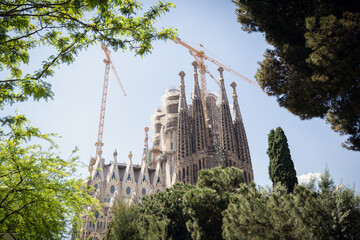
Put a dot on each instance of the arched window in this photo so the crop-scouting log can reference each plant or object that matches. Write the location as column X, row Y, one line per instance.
column 199, row 164
column 179, row 175
column 245, row 176
column 112, row 189
column 183, row 173
column 113, row 176
column 187, row 171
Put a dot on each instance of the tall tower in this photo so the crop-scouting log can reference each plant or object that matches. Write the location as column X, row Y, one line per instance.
column 184, row 163
column 199, row 134
column 227, row 137
column 241, row 140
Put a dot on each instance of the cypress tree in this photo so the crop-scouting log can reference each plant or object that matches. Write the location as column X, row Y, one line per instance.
column 281, row 168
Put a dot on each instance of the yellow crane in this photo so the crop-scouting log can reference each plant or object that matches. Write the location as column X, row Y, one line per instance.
column 108, row 64
column 200, row 56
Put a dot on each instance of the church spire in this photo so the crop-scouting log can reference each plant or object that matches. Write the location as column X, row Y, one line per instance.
column 199, row 129
column 223, row 97
column 227, row 138
column 196, row 88
column 182, row 100
column 145, row 155
column 241, row 140
column 183, row 135
column 236, row 110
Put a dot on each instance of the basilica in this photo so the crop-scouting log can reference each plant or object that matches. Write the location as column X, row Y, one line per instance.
column 187, row 138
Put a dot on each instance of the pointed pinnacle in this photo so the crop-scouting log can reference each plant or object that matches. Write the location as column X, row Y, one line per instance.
column 233, row 85
column 221, row 70
column 182, row 74
column 195, row 64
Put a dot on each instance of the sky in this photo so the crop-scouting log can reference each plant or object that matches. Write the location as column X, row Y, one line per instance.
column 74, row 112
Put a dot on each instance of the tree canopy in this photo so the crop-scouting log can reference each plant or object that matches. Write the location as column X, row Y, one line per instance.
column 66, row 27
column 281, row 167
column 39, row 196
column 314, row 68
column 327, row 213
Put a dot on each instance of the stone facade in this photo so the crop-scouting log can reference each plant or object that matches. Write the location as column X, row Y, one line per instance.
column 186, row 140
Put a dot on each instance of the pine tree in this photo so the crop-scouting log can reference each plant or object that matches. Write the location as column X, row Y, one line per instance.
column 281, row 168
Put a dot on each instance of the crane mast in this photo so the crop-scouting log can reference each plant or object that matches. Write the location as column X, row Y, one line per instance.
column 108, row 63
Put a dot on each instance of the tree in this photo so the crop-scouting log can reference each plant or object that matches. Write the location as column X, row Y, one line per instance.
column 158, row 216
column 123, row 224
column 66, row 27
column 328, row 213
column 281, row 167
column 39, row 196
column 167, row 207
column 205, row 204
column 313, row 69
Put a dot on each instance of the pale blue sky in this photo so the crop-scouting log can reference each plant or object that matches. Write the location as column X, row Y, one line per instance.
column 74, row 112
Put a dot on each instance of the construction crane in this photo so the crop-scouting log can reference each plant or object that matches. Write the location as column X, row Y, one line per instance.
column 200, row 56
column 108, row 64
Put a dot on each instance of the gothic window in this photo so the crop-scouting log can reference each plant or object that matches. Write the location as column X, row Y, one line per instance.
column 171, row 134
column 129, row 177
column 113, row 176
column 100, row 224
column 179, row 175
column 144, row 179
column 245, row 176
column 249, row 177
column 158, row 181
column 184, row 173
column 199, row 164
column 172, row 146
column 97, row 174
column 128, row 190
column 143, row 191
column 95, row 186
column 90, row 224
column 187, row 171
column 112, row 189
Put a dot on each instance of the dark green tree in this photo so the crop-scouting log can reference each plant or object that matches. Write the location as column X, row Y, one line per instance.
column 205, row 203
column 124, row 222
column 313, row 68
column 281, row 167
column 328, row 213
column 168, row 207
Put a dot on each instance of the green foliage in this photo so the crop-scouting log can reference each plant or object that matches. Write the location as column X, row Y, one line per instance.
column 168, row 207
column 329, row 213
column 66, row 28
column 313, row 69
column 281, row 167
column 39, row 196
column 124, row 223
column 158, row 216
column 205, row 203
